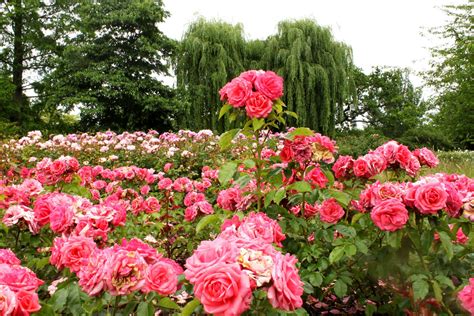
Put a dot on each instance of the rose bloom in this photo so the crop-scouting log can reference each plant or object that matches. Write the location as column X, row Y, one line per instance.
column 343, row 166
column 258, row 105
column 426, row 157
column 27, row 302
column 388, row 151
column 61, row 218
column 58, row 167
column 92, row 275
column 7, row 256
column 19, row 278
column 361, row 168
column 125, row 272
column 8, row 300
column 260, row 226
column 237, row 92
column 287, row 288
column 228, row 199
column 316, row 178
column 403, row 155
column 330, row 211
column 389, row 215
column 286, row 154
column 310, row 210
column 430, row 198
column 224, row 289
column 146, row 251
column 466, row 296
column 160, row 277
column 72, row 252
column 270, row 84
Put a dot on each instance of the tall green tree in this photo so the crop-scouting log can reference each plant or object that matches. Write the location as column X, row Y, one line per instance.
column 110, row 68
column 386, row 101
column 30, row 34
column 316, row 69
column 210, row 54
column 451, row 75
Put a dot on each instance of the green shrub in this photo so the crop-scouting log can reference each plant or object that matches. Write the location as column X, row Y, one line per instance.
column 359, row 142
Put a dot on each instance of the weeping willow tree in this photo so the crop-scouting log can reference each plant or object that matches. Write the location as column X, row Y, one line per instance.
column 316, row 70
column 210, row 54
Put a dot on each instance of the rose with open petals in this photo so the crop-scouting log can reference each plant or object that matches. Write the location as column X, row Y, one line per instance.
column 72, row 252
column 270, row 84
column 224, row 289
column 7, row 256
column 466, row 296
column 287, row 288
column 92, row 275
column 8, row 300
column 361, row 168
column 259, row 225
column 19, row 278
column 389, row 215
column 426, row 157
column 430, row 198
column 160, row 277
column 258, row 105
column 316, row 178
column 237, row 92
column 27, row 302
column 343, row 166
column 125, row 272
column 330, row 211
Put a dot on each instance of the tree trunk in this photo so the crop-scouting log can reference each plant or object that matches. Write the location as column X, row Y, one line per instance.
column 18, row 56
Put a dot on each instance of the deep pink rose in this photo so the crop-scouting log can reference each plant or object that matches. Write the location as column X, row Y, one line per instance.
column 287, row 288
column 403, row 155
column 7, row 256
column 454, row 200
column 92, row 275
column 193, row 197
column 330, row 211
column 61, row 218
column 19, row 278
column 361, row 168
column 389, row 215
column 42, row 209
column 316, row 178
column 146, row 251
column 311, row 210
column 258, row 105
column 27, row 302
column 430, row 198
column 286, row 153
column 466, row 296
column 238, row 91
column 125, row 272
column 343, row 166
column 160, row 277
column 389, row 151
column 426, row 157
column 270, row 84
column 251, row 75
column 58, row 167
column 224, row 289
column 72, row 252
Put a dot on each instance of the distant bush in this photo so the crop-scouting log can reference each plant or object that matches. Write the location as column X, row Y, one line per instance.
column 430, row 137
column 359, row 142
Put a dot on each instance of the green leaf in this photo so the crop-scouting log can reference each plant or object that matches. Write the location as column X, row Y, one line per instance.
column 257, row 123
column 447, row 244
column 346, row 230
column 300, row 186
column 350, row 250
column 292, row 114
column 206, row 220
column 420, row 289
column 342, row 197
column 300, row 131
column 243, row 181
column 269, row 198
column 166, row 302
column 224, row 109
column 249, row 163
column 445, row 280
column 340, row 288
column 336, row 254
column 278, row 106
column 226, row 172
column 361, row 246
column 370, row 309
column 46, row 310
column 226, row 138
column 145, row 309
column 356, row 218
column 60, row 299
column 437, row 290
column 279, row 195
column 189, row 308
column 316, row 279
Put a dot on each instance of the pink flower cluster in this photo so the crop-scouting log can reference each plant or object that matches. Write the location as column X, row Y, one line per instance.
column 50, row 172
column 303, row 149
column 18, row 286
column 254, row 90
column 466, row 296
column 329, row 211
column 389, row 202
column 390, row 154
column 119, row 270
column 225, row 271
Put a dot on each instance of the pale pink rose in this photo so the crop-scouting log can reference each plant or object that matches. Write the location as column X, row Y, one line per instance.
column 270, row 84
column 386, row 191
column 260, row 226
column 92, row 275
column 466, row 296
column 224, row 289
column 389, row 215
column 316, row 178
column 258, row 105
column 32, row 187
column 287, row 288
column 19, row 278
column 330, row 211
column 72, row 252
column 7, row 256
column 125, row 272
column 160, row 277
column 426, row 157
column 343, row 167
column 27, row 302
column 8, row 301
column 430, row 198
column 208, row 254
column 16, row 213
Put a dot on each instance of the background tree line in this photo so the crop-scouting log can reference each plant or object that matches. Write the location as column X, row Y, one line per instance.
column 92, row 65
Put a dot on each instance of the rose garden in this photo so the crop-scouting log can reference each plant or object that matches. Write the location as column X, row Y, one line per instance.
column 260, row 220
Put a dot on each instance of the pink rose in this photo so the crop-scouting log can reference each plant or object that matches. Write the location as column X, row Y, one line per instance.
column 125, row 272
column 260, row 226
column 361, row 168
column 258, row 105
column 286, row 153
column 316, row 178
column 224, row 289
column 58, row 167
column 8, row 301
column 269, row 84
column 238, row 91
column 251, row 75
column 389, row 215
column 152, row 205
column 301, row 148
column 376, row 164
column 72, row 252
column 343, row 166
column 466, row 296
column 61, row 218
column 403, row 155
column 7, row 256
column 160, row 277
column 146, row 251
column 310, row 210
column 330, row 211
column 92, row 275
column 193, row 197
column 426, row 157
column 27, row 302
column 287, row 288
column 19, row 278
column 430, row 198
column 229, row 199
column 389, row 151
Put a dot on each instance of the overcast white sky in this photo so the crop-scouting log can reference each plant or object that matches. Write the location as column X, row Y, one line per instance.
column 381, row 32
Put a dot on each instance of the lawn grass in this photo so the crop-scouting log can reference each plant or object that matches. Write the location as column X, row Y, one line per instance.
column 461, row 162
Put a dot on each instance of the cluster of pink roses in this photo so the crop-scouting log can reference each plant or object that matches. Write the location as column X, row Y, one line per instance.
column 50, row 172
column 466, row 296
column 329, row 211
column 304, row 149
column 119, row 270
column 18, row 286
column 225, row 271
column 254, row 90
column 390, row 154
column 388, row 202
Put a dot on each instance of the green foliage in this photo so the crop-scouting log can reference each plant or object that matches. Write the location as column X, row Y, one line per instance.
column 109, row 69
column 451, row 75
column 358, row 142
